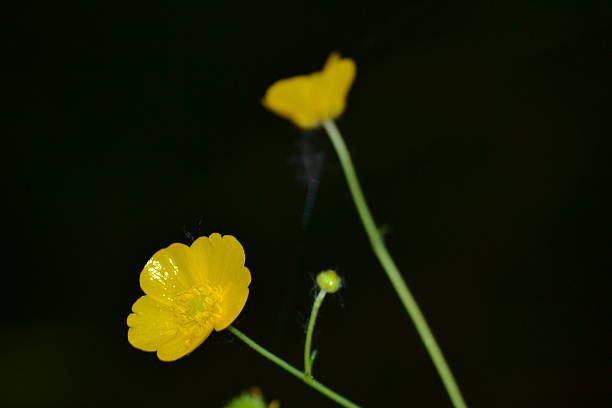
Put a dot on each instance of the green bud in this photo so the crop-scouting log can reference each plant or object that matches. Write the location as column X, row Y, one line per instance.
column 251, row 399
column 329, row 281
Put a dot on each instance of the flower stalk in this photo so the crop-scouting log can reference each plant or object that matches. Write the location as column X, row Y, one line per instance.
column 308, row 356
column 391, row 269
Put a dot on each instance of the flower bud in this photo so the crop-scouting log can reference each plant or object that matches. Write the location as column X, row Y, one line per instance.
column 329, row 281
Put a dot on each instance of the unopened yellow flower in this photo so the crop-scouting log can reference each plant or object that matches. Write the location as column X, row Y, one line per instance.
column 307, row 100
column 190, row 290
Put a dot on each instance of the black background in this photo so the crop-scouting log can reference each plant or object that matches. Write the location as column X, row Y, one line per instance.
column 474, row 130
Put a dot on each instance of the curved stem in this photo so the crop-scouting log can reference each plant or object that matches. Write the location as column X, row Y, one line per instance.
column 311, row 324
column 288, row 367
column 391, row 269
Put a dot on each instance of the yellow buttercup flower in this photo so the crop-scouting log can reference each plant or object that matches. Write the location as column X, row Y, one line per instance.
column 307, row 100
column 190, row 290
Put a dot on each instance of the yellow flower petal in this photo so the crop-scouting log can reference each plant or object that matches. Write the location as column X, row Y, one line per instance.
column 151, row 325
column 168, row 273
column 335, row 82
column 293, row 99
column 182, row 344
column 234, row 300
column 307, row 100
column 221, row 259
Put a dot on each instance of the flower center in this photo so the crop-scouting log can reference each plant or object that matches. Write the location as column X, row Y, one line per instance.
column 197, row 307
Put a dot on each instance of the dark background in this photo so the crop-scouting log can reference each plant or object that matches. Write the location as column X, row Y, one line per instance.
column 474, row 129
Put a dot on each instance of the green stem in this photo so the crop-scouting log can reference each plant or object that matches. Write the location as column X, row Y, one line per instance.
column 391, row 269
column 311, row 324
column 283, row 364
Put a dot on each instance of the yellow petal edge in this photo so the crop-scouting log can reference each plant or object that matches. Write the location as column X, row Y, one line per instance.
column 190, row 290
column 307, row 100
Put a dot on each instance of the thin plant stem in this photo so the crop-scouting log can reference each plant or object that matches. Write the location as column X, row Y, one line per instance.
column 291, row 369
column 391, row 269
column 311, row 324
